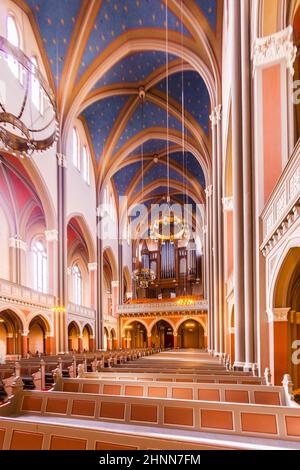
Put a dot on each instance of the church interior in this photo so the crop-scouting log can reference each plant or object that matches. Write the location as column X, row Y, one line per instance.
column 149, row 225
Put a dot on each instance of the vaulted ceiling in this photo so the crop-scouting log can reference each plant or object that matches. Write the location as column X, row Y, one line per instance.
column 101, row 53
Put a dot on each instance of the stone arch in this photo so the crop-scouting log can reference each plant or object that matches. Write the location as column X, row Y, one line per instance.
column 107, row 251
column 74, row 334
column 11, row 329
column 86, row 234
column 129, row 322
column 87, row 337
column 284, row 314
column 160, row 337
column 191, row 334
column 193, row 318
column 135, row 334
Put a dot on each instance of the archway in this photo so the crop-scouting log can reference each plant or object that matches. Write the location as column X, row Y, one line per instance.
column 162, row 335
column 37, row 336
column 284, row 329
column 113, row 339
column 87, row 340
column 105, row 339
column 135, row 335
column 191, row 335
column 73, row 335
column 10, row 334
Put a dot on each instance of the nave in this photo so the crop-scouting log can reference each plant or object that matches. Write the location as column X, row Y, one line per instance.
column 143, row 403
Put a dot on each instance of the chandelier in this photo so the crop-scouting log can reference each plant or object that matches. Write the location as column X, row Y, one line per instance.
column 143, row 277
column 169, row 228
column 24, row 128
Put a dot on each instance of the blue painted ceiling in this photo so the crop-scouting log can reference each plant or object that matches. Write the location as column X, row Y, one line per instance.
column 135, row 67
column 195, row 95
column 57, row 19
column 191, row 164
column 209, row 8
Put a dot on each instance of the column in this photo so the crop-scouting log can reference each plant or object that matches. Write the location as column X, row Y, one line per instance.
column 237, row 183
column 50, row 345
column 279, row 343
column 10, row 343
column 18, row 249
column 247, row 183
column 114, row 295
column 92, row 268
column 218, row 113
column 175, row 340
column 80, row 344
column 24, row 335
column 149, row 341
column 209, row 268
column 52, row 245
column 62, row 328
column 215, row 230
column 91, row 344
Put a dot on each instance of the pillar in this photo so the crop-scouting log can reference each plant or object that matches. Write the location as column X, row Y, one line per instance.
column 91, row 344
column 50, row 345
column 18, row 250
column 52, row 245
column 247, row 184
column 92, row 268
column 24, row 335
column 124, row 345
column 80, row 344
column 215, row 221
column 114, row 296
column 279, row 343
column 62, row 328
column 149, row 341
column 209, row 267
column 218, row 113
column 10, row 343
column 175, row 340
column 237, row 183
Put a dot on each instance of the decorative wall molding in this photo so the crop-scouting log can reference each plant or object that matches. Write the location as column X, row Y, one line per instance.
column 278, row 314
column 24, row 296
column 216, row 115
column 162, row 309
column 283, row 207
column 51, row 235
column 61, row 160
column 81, row 311
column 208, row 191
column 92, row 266
column 274, row 48
column 227, row 204
column 18, row 243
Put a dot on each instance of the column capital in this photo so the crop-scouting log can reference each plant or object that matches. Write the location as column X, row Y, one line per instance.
column 204, row 228
column 273, row 48
column 278, row 314
column 227, row 204
column 114, row 283
column 18, row 243
column 61, row 160
column 92, row 266
column 208, row 191
column 51, row 235
column 216, row 115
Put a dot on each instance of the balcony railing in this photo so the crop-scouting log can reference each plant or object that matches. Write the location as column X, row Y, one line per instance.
column 164, row 305
column 25, row 296
column 81, row 310
column 284, row 199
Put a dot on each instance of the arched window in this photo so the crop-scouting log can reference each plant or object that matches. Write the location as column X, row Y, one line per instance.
column 75, row 150
column 77, row 284
column 14, row 38
column 36, row 91
column 85, row 165
column 39, row 266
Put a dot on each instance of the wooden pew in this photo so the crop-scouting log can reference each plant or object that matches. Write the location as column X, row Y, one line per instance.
column 255, row 394
column 244, row 420
column 162, row 376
